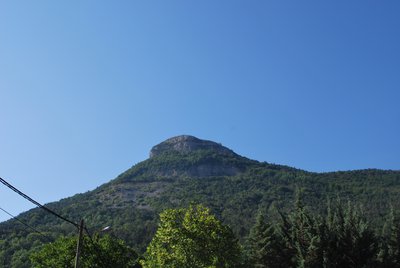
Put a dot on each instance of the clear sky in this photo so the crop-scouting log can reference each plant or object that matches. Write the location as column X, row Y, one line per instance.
column 88, row 87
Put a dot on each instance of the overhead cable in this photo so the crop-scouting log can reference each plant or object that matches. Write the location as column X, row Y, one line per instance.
column 27, row 225
column 37, row 203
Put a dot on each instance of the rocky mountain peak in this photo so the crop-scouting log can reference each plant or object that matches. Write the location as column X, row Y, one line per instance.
column 187, row 144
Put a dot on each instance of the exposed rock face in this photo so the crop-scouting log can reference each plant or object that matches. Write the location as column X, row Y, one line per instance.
column 213, row 170
column 187, row 144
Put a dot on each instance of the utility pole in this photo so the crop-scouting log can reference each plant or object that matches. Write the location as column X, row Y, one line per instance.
column 79, row 246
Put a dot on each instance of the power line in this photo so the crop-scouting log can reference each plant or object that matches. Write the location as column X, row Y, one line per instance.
column 51, row 212
column 27, row 225
column 37, row 203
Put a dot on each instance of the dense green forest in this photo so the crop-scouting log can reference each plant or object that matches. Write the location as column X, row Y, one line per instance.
column 234, row 188
column 194, row 237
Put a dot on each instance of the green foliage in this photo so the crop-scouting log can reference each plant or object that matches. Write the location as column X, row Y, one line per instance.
column 350, row 240
column 265, row 248
column 102, row 252
column 301, row 233
column 389, row 254
column 192, row 237
column 233, row 187
column 302, row 239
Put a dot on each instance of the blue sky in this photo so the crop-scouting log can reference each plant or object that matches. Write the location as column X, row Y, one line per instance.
column 88, row 87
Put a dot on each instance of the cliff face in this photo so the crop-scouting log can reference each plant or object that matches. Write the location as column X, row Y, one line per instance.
column 187, row 144
column 209, row 164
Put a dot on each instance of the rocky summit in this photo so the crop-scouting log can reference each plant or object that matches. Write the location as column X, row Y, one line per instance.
column 187, row 144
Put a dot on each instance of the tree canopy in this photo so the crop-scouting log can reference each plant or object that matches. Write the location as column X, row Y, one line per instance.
column 100, row 252
column 192, row 237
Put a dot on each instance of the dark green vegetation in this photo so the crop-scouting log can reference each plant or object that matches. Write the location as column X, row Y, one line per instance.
column 342, row 238
column 184, row 170
column 193, row 237
column 97, row 252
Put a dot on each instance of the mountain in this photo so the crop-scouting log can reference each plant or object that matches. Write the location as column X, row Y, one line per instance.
column 185, row 169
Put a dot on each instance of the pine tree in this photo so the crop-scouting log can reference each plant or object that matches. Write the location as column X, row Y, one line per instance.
column 265, row 246
column 349, row 240
column 302, row 234
column 389, row 254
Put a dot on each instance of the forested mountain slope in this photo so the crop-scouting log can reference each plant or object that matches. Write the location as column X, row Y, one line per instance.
column 182, row 170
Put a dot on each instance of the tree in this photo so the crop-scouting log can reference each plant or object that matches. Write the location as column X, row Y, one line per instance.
column 101, row 252
column 265, row 246
column 350, row 242
column 341, row 239
column 301, row 233
column 389, row 254
column 192, row 237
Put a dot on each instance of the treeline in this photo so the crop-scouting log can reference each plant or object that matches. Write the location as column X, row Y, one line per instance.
column 194, row 237
column 343, row 238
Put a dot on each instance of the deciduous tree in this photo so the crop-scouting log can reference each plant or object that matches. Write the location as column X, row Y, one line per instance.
column 101, row 252
column 192, row 237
